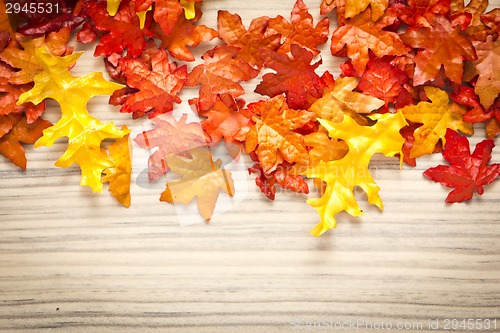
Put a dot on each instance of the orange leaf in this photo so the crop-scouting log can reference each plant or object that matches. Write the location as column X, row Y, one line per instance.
column 360, row 34
column 251, row 41
column 184, row 34
column 10, row 143
column 220, row 74
column 273, row 137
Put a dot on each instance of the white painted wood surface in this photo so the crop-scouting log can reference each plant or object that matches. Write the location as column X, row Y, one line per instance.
column 74, row 261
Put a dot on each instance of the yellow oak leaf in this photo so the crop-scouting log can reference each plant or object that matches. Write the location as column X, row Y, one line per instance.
column 435, row 116
column 273, row 137
column 201, row 178
column 341, row 176
column 354, row 7
column 85, row 133
column 119, row 174
column 343, row 100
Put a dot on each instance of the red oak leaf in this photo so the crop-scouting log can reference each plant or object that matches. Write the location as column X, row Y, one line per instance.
column 466, row 173
column 382, row 80
column 294, row 76
column 300, row 30
column 172, row 137
column 220, row 74
column 440, row 45
column 10, row 143
column 360, row 34
column 123, row 31
column 251, row 41
column 157, row 85
column 184, row 34
column 281, row 176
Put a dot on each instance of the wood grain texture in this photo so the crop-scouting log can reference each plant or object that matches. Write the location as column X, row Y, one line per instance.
column 74, row 261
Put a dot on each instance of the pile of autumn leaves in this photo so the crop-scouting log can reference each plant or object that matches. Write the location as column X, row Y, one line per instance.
column 416, row 73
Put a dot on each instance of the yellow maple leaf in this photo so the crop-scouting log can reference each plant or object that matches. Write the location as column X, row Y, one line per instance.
column 435, row 116
column 119, row 174
column 343, row 100
column 202, row 178
column 341, row 176
column 85, row 133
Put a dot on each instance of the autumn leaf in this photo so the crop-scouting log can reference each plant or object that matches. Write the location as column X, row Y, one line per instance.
column 440, row 45
column 476, row 112
column 343, row 175
column 184, row 34
column 383, row 80
column 342, row 100
column 250, row 42
column 300, row 30
column 172, row 137
column 5, row 25
column 201, row 178
column 119, row 175
column 166, row 12
column 436, row 116
column 84, row 132
column 475, row 8
column 466, row 173
column 360, row 34
column 10, row 142
column 327, row 6
column 487, row 66
column 416, row 13
column 47, row 16
column 112, row 7
column 9, row 95
column 226, row 120
column 354, row 7
column 122, row 30
column 282, row 176
column 273, row 138
column 157, row 85
column 220, row 74
column 294, row 76
column 20, row 54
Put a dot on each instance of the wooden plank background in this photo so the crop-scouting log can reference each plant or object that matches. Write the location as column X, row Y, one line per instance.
column 74, row 261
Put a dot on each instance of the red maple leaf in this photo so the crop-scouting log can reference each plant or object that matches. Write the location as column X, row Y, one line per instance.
column 417, row 12
column 226, row 120
column 165, row 12
column 294, row 76
column 251, row 41
column 281, row 176
column 122, row 30
column 185, row 33
column 438, row 46
column 360, row 35
column 300, row 30
column 466, row 173
column 220, row 74
column 476, row 113
column 382, row 80
column 157, row 85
